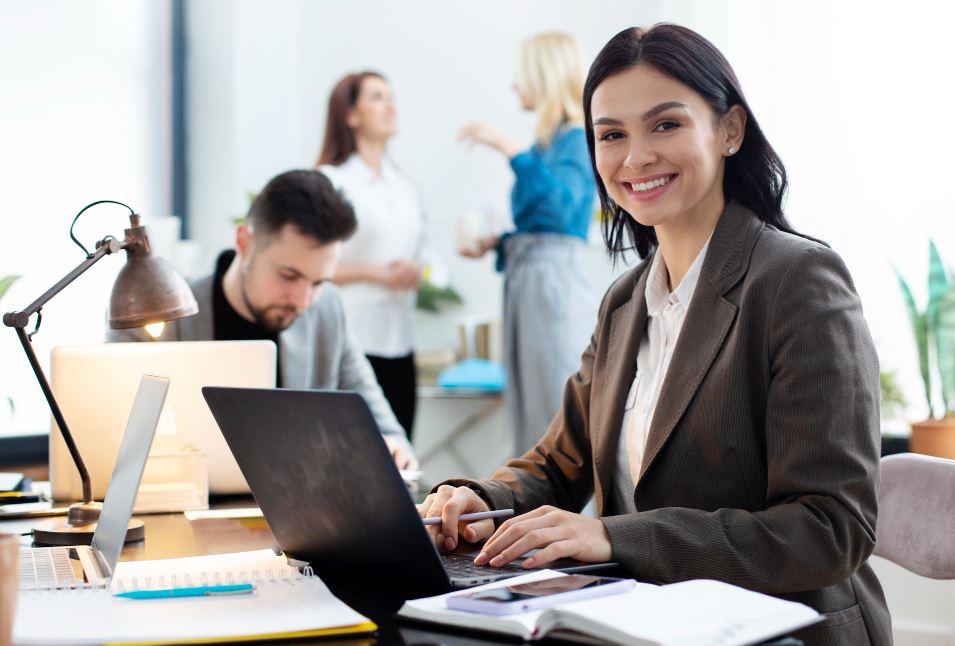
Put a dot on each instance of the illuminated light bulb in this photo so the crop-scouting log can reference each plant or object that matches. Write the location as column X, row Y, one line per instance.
column 155, row 329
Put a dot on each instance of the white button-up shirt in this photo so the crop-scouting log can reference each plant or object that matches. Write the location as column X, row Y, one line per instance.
column 665, row 313
column 390, row 227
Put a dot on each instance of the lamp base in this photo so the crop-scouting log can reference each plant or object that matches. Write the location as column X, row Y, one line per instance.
column 79, row 527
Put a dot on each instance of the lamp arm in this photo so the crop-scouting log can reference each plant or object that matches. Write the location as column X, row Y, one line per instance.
column 20, row 320
column 57, row 415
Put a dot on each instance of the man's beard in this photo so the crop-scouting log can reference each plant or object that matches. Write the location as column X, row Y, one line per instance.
column 260, row 314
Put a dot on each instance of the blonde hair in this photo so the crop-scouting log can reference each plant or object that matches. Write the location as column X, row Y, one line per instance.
column 550, row 73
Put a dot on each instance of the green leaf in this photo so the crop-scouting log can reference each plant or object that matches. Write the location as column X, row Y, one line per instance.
column 431, row 296
column 920, row 329
column 945, row 347
column 937, row 284
column 5, row 283
column 891, row 398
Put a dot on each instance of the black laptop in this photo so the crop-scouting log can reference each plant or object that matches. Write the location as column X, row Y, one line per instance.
column 329, row 489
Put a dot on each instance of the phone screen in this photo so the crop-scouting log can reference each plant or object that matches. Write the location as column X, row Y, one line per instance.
column 556, row 585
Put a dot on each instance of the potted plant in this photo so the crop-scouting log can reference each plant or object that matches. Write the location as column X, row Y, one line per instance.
column 934, row 331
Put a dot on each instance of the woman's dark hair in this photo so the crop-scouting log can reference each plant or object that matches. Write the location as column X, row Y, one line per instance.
column 754, row 176
column 339, row 141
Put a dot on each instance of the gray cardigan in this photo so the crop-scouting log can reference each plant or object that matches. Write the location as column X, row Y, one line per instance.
column 315, row 352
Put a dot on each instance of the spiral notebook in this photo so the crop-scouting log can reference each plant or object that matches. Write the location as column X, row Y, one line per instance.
column 284, row 604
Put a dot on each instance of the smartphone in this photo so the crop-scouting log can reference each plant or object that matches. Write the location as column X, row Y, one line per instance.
column 536, row 595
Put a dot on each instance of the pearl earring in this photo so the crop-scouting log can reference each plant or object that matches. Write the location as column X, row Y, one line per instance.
column 731, row 151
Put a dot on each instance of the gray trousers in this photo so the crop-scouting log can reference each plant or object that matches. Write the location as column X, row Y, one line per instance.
column 549, row 314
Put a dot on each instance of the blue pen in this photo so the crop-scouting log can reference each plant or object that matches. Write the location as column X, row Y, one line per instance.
column 197, row 591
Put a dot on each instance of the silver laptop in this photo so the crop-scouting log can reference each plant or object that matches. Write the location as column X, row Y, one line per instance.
column 84, row 378
column 82, row 566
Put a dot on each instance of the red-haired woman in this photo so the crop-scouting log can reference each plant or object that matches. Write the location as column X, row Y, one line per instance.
column 380, row 268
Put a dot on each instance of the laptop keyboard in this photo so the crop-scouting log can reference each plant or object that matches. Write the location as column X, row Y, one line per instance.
column 459, row 565
column 47, row 568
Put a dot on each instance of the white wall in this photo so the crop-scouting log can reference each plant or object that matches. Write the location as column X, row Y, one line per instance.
column 82, row 118
column 923, row 610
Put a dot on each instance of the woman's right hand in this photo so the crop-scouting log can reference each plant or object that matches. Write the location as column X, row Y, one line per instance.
column 478, row 132
column 449, row 503
column 479, row 247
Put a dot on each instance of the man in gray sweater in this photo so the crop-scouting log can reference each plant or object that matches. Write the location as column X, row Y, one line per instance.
column 276, row 285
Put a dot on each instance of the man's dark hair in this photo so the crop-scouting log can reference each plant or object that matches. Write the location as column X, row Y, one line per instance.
column 307, row 200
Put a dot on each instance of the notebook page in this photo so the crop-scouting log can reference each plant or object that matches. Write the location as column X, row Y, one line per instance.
column 96, row 616
column 696, row 613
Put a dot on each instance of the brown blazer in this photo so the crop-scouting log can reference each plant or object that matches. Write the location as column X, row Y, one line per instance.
column 763, row 454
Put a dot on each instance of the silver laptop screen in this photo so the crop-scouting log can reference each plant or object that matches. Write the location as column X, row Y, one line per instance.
column 130, row 462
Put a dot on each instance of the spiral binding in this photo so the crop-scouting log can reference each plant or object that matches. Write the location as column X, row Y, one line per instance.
column 255, row 577
column 288, row 574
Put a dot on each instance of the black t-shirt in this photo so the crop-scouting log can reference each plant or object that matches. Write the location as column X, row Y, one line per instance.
column 227, row 324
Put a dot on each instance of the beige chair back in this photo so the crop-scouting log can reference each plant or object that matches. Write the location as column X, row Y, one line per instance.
column 916, row 525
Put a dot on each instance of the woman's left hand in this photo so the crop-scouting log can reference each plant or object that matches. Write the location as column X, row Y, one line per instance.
column 479, row 247
column 484, row 133
column 559, row 534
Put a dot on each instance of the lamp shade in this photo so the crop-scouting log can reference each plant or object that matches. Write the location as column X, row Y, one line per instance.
column 147, row 289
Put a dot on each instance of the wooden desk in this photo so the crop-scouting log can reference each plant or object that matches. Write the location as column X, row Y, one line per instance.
column 172, row 536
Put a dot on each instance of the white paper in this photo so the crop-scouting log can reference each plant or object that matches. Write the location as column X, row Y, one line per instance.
column 239, row 512
column 79, row 617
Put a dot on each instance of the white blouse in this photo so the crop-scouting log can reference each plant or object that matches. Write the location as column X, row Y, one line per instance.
column 390, row 227
column 665, row 314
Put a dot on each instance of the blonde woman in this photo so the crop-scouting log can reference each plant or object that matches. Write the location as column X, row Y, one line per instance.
column 549, row 309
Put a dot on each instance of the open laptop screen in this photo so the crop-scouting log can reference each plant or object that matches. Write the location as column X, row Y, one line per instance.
column 128, row 471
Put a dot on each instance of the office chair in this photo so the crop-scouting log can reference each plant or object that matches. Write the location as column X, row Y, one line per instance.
column 917, row 514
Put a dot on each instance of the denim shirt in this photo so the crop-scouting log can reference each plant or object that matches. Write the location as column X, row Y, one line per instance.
column 554, row 188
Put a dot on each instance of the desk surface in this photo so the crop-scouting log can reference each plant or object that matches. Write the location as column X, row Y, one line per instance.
column 172, row 536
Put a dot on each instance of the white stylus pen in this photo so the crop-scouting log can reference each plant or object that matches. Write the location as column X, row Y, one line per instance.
column 481, row 515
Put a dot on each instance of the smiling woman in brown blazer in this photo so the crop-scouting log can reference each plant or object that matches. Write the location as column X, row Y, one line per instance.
column 725, row 414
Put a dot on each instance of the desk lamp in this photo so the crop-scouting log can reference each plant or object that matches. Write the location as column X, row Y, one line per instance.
column 147, row 291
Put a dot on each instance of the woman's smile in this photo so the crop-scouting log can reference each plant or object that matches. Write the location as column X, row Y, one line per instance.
column 650, row 187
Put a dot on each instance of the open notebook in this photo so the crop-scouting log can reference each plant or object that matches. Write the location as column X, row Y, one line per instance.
column 691, row 613
column 285, row 604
